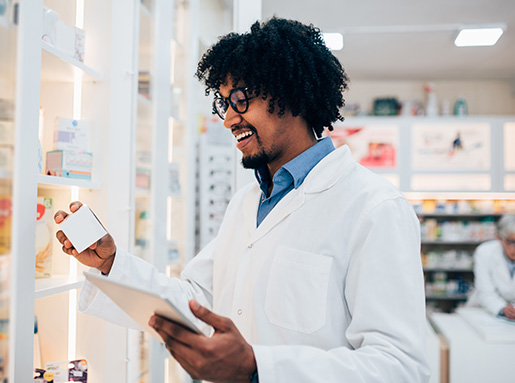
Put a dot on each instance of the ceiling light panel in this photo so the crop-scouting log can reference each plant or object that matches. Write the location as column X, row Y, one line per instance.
column 334, row 41
column 478, row 37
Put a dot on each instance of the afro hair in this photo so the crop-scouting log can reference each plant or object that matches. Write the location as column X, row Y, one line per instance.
column 284, row 61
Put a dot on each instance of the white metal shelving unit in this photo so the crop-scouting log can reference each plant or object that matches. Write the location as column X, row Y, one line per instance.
column 104, row 91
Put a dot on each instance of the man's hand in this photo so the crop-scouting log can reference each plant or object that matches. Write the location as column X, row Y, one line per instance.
column 99, row 255
column 509, row 311
column 225, row 357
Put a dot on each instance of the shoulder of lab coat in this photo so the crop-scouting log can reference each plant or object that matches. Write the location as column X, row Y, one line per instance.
column 490, row 271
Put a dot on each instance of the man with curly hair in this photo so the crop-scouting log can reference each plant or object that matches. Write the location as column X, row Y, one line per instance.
column 315, row 274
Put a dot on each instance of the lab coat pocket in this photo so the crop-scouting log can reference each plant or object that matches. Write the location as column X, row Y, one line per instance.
column 296, row 296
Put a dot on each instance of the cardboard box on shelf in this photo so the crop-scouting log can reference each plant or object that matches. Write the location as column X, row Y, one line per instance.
column 44, row 236
column 71, row 135
column 5, row 223
column 69, row 164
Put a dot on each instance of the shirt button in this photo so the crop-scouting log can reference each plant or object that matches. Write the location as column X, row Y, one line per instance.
column 240, row 312
column 250, row 246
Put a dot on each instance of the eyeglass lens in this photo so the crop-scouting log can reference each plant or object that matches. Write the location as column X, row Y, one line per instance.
column 510, row 242
column 237, row 99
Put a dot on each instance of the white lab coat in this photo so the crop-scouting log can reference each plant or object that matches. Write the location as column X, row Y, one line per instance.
column 494, row 288
column 329, row 287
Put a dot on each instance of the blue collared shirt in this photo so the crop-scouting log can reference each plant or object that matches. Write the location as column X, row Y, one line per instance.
column 289, row 176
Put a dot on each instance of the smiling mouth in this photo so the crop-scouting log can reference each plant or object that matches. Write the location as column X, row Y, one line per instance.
column 240, row 137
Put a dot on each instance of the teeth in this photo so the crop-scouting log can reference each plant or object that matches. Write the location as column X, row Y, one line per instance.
column 243, row 135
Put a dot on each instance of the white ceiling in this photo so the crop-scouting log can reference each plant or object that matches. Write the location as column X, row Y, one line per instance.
column 410, row 39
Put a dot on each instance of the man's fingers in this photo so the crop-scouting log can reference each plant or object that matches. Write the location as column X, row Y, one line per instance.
column 74, row 206
column 60, row 236
column 173, row 330
column 182, row 355
column 218, row 322
column 69, row 251
column 181, row 352
column 60, row 216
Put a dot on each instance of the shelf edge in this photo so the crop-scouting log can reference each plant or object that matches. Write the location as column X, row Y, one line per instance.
column 70, row 60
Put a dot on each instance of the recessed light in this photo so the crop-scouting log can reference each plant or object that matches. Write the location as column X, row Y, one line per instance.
column 478, row 37
column 333, row 41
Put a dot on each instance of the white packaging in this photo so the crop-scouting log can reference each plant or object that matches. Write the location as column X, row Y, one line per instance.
column 65, row 38
column 82, row 228
column 71, row 135
column 50, row 19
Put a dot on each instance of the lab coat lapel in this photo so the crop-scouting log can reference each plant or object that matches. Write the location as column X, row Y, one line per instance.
column 251, row 204
column 502, row 268
column 323, row 176
column 290, row 202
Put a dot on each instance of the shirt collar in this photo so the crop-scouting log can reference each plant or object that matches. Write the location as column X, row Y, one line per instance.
column 299, row 167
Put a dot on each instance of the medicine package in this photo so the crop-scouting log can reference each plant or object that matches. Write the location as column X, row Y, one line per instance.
column 82, row 228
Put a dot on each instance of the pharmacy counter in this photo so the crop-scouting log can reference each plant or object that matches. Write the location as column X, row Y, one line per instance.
column 481, row 347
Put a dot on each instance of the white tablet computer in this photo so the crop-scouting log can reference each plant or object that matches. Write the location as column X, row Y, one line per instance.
column 140, row 304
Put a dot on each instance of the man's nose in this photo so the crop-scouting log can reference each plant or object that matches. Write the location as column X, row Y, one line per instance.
column 232, row 118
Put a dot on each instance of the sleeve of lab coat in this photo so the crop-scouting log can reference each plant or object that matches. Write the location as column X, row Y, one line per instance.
column 137, row 272
column 384, row 291
column 486, row 294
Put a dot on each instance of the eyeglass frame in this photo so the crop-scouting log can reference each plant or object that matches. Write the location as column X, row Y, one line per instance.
column 509, row 242
column 227, row 101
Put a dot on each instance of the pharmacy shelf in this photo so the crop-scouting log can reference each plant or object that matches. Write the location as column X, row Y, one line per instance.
column 453, row 243
column 53, row 182
column 455, row 297
column 58, row 66
column 447, row 270
column 458, row 215
column 56, row 284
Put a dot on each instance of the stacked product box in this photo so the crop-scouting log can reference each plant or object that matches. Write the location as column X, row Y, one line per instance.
column 71, row 158
column 44, row 237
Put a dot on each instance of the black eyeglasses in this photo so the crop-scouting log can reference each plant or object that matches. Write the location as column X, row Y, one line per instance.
column 238, row 99
column 509, row 242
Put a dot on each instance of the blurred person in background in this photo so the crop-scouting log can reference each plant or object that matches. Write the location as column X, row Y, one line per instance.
column 494, row 271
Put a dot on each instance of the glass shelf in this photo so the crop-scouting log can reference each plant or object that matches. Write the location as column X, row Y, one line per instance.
column 56, row 284
column 58, row 66
column 53, row 182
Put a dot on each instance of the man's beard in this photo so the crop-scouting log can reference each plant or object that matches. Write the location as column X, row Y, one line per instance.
column 257, row 161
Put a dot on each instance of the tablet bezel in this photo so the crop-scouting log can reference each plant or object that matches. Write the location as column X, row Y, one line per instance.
column 140, row 304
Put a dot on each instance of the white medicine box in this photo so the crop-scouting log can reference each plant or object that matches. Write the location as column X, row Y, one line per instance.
column 71, row 135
